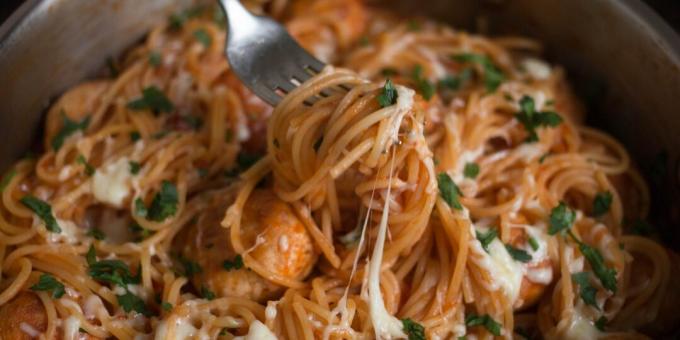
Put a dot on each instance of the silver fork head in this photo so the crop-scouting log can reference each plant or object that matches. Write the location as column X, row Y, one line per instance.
column 263, row 55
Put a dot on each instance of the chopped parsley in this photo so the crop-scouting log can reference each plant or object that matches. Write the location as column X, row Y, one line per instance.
column 177, row 20
column 413, row 25
column 68, row 128
column 190, row 267
column 485, row 320
column 424, row 86
column 518, row 254
column 388, row 95
column 471, row 170
column 155, row 59
column 131, row 302
column 487, row 238
column 455, row 82
column 449, row 191
column 246, row 160
column 600, row 323
column 6, row 179
column 389, row 72
column 561, row 218
column 167, row 306
column 606, row 275
column 135, row 136
column 43, row 210
column 236, row 263
column 413, row 330
column 203, row 37
column 89, row 169
column 135, row 167
column 115, row 272
column 91, row 255
column 586, row 290
column 140, row 208
column 47, row 282
column 207, row 293
column 602, row 202
column 164, row 204
column 493, row 76
column 532, row 119
column 533, row 243
column 152, row 99
column 141, row 233
column 96, row 233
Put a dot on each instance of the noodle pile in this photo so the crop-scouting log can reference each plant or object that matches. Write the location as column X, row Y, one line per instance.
column 434, row 184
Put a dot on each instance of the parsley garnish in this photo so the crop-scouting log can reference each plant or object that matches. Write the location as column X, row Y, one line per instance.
column 135, row 136
column 600, row 323
column 96, row 233
column 223, row 332
column 471, row 170
column 586, row 290
column 43, row 210
column 236, row 263
column 601, row 203
column 177, row 20
column 207, row 293
column 561, row 218
column 246, row 160
column 164, row 204
column 606, row 275
column 142, row 233
column 68, row 128
column 485, row 320
column 134, row 167
column 47, row 282
column 388, row 95
column 493, row 77
column 6, row 179
column 533, row 243
column 152, row 99
column 455, row 82
column 91, row 255
column 167, row 306
column 449, row 191
column 486, row 239
column 140, row 208
column 89, row 169
column 155, row 59
column 532, row 119
column 425, row 87
column 113, row 271
column 193, row 121
column 131, row 302
column 190, row 267
column 518, row 254
column 388, row 72
column 414, row 330
column 203, row 37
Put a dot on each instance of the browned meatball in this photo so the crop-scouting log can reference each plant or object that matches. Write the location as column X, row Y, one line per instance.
column 26, row 308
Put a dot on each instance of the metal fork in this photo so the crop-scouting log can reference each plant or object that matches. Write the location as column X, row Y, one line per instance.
column 263, row 55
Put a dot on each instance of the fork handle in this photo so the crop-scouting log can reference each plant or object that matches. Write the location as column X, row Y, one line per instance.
column 235, row 13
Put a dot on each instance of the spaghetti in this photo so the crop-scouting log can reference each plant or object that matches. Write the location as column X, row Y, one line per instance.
column 435, row 184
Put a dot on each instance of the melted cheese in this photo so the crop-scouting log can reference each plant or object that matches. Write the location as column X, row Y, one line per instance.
column 183, row 329
column 111, row 184
column 537, row 69
column 29, row 330
column 580, row 328
column 71, row 328
column 258, row 331
column 505, row 270
column 70, row 233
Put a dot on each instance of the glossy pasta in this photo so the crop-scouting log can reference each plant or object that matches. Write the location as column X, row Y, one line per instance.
column 431, row 184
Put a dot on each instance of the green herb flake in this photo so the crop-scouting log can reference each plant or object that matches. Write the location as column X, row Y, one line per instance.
column 167, row 306
column 131, row 302
column 135, row 136
column 517, row 254
column 134, row 167
column 493, row 76
column 471, row 170
column 389, row 72
column 91, row 255
column 606, row 275
column 47, row 282
column 586, row 290
column 155, row 59
column 223, row 332
column 207, row 293
column 485, row 320
column 89, row 169
column 96, row 233
column 533, row 243
column 246, row 160
column 487, row 238
column 455, row 82
column 164, row 204
column 561, row 218
column 424, row 86
column 388, row 95
column 532, row 119
column 601, row 323
column 203, row 37
column 115, row 272
column 140, row 208
column 152, row 99
column 602, row 203
column 68, row 128
column 191, row 268
column 413, row 25
column 43, row 210
column 413, row 330
column 235, row 264
column 449, row 191
column 7, row 179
